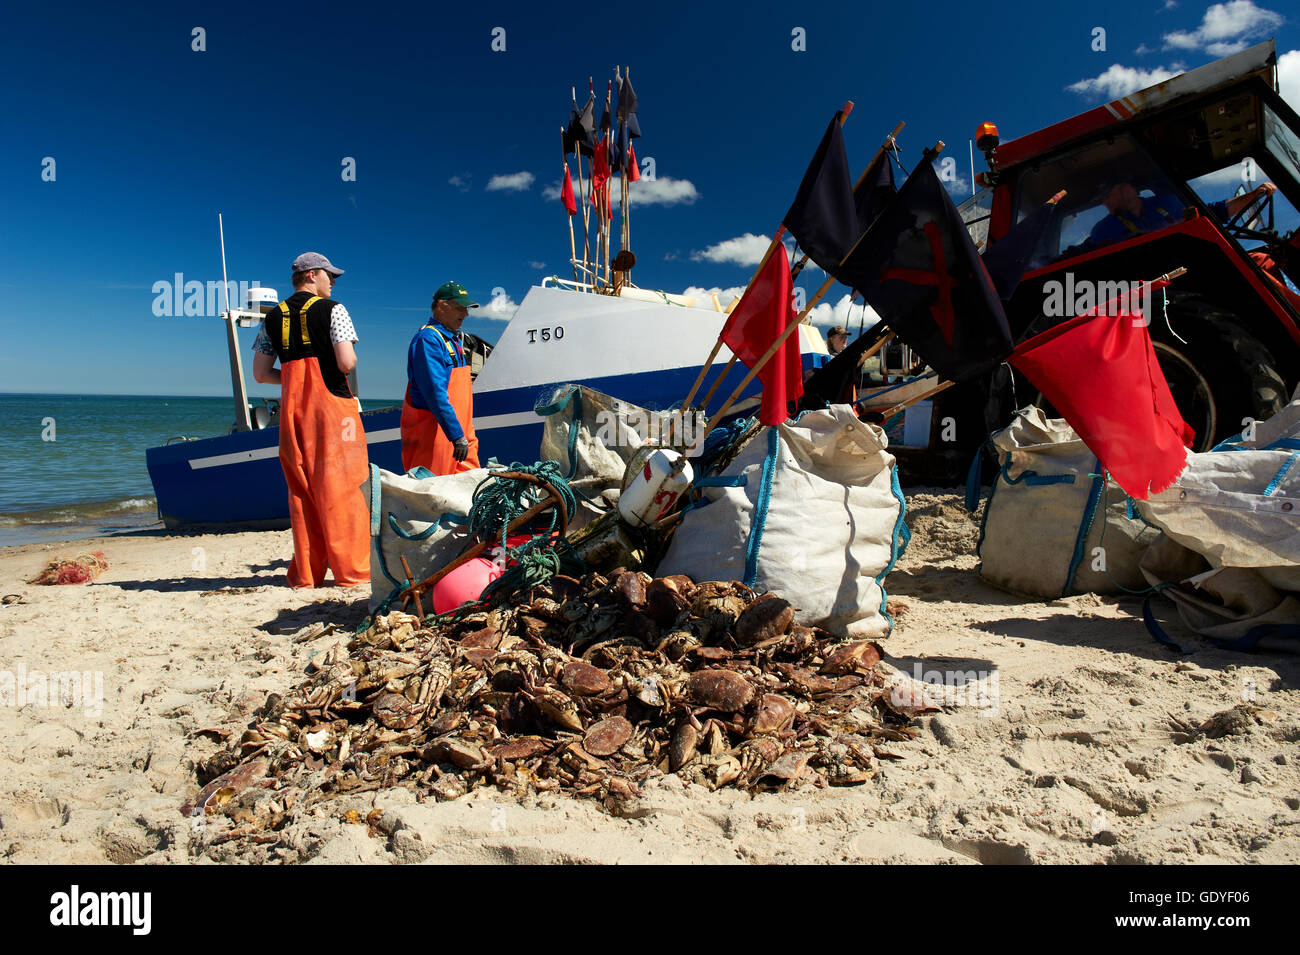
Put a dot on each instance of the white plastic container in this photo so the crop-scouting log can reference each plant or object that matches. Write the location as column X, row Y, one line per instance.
column 651, row 493
column 916, row 425
column 262, row 299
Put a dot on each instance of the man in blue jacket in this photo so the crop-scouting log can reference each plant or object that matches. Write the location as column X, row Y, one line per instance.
column 1132, row 214
column 438, row 411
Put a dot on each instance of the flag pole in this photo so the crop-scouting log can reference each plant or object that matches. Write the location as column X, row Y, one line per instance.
column 573, row 248
column 845, row 110
column 582, row 193
column 624, row 235
column 609, row 86
column 929, row 156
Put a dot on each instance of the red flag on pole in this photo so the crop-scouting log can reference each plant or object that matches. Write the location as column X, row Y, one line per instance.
column 758, row 320
column 633, row 173
column 1100, row 371
column 600, row 176
column 600, row 167
column 566, row 192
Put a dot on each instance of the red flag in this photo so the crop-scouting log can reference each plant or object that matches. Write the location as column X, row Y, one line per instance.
column 566, row 192
column 633, row 173
column 1100, row 371
column 600, row 178
column 600, row 167
column 757, row 321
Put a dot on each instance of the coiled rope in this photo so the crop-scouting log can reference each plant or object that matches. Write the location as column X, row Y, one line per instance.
column 499, row 499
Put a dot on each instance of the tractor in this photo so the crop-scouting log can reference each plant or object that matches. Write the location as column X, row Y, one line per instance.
column 1199, row 151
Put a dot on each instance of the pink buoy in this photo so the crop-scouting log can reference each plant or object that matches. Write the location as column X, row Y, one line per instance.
column 467, row 582
column 464, row 584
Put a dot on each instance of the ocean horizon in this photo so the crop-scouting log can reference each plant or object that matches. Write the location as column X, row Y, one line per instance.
column 74, row 464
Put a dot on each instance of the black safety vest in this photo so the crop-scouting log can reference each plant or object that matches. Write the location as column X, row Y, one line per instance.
column 295, row 339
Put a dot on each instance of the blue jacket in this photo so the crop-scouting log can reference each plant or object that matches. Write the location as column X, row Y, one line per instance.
column 434, row 352
column 1157, row 212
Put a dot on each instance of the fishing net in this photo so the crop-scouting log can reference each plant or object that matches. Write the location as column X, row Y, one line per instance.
column 81, row 569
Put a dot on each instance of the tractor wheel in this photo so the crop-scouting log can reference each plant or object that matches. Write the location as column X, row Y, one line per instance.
column 1221, row 376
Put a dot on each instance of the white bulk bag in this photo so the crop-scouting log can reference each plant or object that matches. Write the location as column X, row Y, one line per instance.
column 1051, row 519
column 1232, row 520
column 810, row 509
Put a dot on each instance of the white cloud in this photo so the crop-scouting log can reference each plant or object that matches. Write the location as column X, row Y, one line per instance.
column 1288, row 77
column 1143, row 50
column 747, row 249
column 845, row 312
column 1119, row 80
column 1226, row 49
column 661, row 191
column 460, row 182
column 1170, row 4
column 514, row 182
column 958, row 188
column 1225, row 28
column 725, row 295
column 537, row 265
column 502, row 308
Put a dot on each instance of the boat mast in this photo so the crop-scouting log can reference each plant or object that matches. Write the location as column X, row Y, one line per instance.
column 243, row 422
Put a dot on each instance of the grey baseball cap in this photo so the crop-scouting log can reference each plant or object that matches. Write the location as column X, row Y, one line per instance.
column 314, row 260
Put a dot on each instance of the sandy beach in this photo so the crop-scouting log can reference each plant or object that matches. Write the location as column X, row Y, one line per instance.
column 1090, row 742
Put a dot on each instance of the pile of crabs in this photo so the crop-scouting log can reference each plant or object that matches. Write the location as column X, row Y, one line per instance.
column 592, row 686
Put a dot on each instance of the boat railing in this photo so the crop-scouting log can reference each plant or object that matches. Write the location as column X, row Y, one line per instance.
column 635, row 291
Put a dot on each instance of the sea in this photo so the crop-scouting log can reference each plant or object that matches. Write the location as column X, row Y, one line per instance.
column 73, row 466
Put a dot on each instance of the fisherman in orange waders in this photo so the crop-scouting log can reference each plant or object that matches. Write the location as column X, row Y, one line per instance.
column 438, row 412
column 322, row 442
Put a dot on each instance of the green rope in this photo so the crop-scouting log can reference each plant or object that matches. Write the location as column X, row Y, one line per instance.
column 498, row 501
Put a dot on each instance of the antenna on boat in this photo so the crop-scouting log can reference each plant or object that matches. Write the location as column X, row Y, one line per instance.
column 243, row 420
column 225, row 284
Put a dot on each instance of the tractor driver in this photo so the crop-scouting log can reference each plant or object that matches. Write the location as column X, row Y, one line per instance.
column 1132, row 214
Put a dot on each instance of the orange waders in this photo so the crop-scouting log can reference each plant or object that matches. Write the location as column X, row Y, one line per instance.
column 424, row 444
column 323, row 453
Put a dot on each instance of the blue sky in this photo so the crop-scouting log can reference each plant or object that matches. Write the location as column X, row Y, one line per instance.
column 151, row 139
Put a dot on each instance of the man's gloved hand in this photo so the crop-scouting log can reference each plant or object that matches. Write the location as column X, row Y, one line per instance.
column 460, row 448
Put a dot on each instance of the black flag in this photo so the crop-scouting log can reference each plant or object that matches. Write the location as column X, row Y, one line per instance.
column 628, row 126
column 871, row 197
column 581, row 132
column 627, row 108
column 823, row 218
column 919, row 269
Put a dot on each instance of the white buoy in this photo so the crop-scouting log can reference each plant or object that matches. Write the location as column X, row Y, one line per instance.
column 651, row 494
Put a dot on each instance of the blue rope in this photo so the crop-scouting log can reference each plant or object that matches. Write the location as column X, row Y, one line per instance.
column 760, row 508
